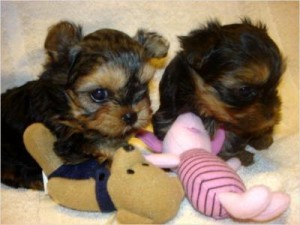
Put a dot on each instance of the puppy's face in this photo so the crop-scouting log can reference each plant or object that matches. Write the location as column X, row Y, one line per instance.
column 236, row 70
column 107, row 80
column 109, row 91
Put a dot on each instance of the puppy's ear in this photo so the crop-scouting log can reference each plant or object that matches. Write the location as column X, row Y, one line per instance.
column 259, row 25
column 61, row 38
column 155, row 45
column 200, row 43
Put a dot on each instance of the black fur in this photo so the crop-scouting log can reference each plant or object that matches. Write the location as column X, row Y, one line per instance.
column 220, row 56
column 51, row 99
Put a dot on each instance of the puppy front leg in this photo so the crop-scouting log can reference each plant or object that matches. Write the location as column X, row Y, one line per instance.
column 72, row 148
column 79, row 147
column 234, row 146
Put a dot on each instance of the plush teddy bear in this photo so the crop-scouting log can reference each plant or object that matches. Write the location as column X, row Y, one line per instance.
column 213, row 187
column 140, row 192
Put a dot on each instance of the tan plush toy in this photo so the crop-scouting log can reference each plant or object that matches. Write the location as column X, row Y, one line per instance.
column 140, row 192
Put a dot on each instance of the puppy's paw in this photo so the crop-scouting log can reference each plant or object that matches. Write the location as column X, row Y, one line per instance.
column 246, row 158
column 156, row 46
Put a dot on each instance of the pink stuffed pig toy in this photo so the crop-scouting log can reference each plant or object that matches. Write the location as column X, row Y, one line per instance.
column 212, row 185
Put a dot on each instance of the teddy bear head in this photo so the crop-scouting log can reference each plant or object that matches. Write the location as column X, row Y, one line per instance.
column 155, row 195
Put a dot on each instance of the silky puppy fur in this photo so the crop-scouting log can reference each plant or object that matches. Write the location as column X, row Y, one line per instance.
column 228, row 75
column 92, row 95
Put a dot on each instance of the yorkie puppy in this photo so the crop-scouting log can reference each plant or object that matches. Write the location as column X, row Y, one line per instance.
column 228, row 75
column 93, row 94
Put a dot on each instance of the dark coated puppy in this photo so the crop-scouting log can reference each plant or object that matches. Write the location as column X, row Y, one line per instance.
column 93, row 94
column 228, row 75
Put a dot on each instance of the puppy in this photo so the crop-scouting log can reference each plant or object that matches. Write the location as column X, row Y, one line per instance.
column 93, row 94
column 227, row 75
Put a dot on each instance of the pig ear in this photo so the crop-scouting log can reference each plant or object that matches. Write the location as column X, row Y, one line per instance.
column 187, row 132
column 61, row 38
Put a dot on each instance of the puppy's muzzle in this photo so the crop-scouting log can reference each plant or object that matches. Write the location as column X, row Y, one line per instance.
column 129, row 118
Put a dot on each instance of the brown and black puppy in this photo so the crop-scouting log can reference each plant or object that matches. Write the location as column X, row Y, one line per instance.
column 93, row 94
column 228, row 75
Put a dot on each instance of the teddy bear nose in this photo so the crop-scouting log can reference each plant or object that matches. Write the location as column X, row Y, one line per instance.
column 129, row 118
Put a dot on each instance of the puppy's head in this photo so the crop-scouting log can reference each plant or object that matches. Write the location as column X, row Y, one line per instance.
column 236, row 69
column 106, row 76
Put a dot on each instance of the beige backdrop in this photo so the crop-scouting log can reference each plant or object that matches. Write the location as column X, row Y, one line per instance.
column 24, row 26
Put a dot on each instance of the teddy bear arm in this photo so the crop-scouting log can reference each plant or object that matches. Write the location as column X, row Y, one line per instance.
column 39, row 143
column 74, row 194
column 127, row 217
column 178, row 183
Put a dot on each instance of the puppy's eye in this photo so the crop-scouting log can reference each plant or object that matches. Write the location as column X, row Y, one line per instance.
column 247, row 92
column 140, row 96
column 99, row 95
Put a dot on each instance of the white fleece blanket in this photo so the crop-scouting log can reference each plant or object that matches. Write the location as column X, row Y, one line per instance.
column 24, row 27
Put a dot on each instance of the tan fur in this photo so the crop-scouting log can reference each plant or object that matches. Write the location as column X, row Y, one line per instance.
column 108, row 119
column 89, row 94
column 107, row 76
column 147, row 73
column 252, row 74
column 254, row 113
column 144, row 113
column 75, row 104
column 208, row 102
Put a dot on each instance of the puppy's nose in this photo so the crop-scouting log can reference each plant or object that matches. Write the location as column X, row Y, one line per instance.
column 269, row 114
column 129, row 118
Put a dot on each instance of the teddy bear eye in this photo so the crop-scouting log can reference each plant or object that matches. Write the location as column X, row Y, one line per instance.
column 128, row 147
column 145, row 164
column 130, row 171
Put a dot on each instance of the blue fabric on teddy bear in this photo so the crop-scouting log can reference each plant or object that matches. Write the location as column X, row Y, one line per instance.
column 90, row 169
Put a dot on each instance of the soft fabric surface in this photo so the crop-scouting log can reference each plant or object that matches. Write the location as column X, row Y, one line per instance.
column 24, row 27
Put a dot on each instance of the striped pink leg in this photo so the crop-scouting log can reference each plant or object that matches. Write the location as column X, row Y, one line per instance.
column 204, row 176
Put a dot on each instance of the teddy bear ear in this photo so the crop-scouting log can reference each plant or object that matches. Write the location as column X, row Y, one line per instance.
column 125, row 157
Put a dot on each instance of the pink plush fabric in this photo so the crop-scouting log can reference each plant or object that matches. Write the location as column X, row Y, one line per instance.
column 204, row 176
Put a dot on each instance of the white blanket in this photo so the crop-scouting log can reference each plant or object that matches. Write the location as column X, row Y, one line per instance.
column 24, row 27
